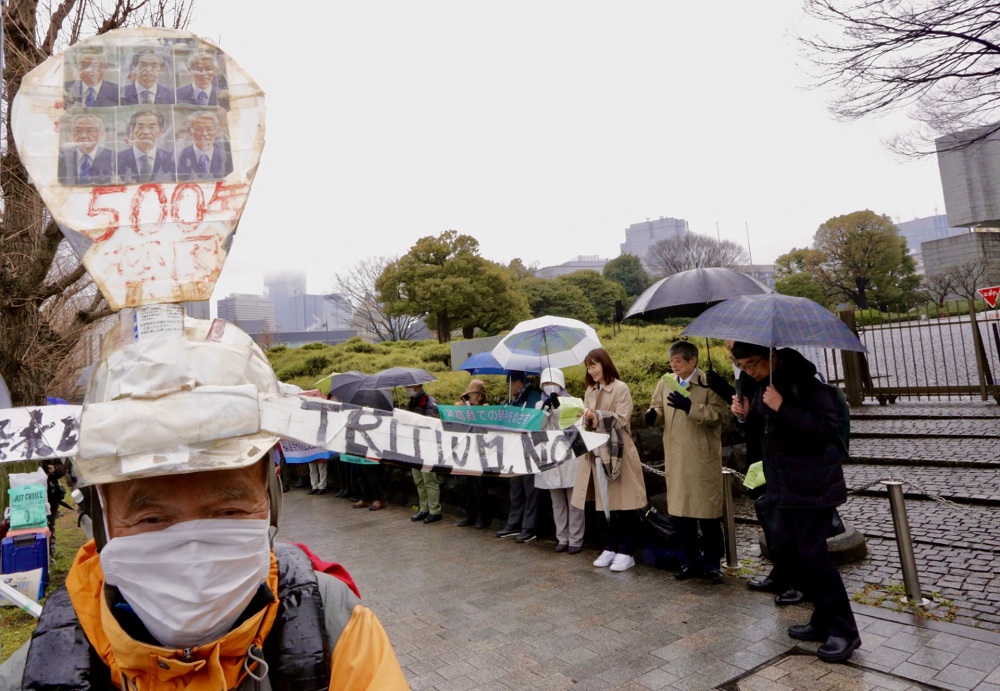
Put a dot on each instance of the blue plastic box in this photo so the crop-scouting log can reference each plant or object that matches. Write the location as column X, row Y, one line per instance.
column 25, row 552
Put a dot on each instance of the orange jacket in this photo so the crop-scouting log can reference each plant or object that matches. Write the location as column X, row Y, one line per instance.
column 362, row 657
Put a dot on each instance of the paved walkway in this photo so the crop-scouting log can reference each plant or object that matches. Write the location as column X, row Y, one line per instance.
column 465, row 610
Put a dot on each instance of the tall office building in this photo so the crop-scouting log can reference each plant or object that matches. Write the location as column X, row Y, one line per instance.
column 280, row 287
column 242, row 307
column 921, row 230
column 339, row 312
column 641, row 237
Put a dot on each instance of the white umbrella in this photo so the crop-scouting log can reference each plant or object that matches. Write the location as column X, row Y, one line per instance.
column 554, row 341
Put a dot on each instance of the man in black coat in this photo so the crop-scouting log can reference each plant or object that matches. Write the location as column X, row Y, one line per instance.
column 797, row 418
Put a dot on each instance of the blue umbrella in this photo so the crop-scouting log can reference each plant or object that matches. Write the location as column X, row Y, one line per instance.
column 485, row 363
column 775, row 320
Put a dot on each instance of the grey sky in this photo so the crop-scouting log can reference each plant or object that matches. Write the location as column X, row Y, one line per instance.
column 543, row 129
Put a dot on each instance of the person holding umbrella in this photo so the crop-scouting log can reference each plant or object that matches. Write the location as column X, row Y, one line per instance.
column 608, row 407
column 796, row 417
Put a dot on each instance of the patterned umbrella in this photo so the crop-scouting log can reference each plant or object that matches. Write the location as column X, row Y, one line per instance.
column 775, row 320
column 546, row 342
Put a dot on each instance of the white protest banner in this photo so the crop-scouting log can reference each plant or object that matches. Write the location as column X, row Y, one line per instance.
column 40, row 432
column 416, row 441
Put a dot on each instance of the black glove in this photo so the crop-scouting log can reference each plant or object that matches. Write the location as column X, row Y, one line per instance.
column 676, row 400
column 722, row 388
column 552, row 401
column 650, row 417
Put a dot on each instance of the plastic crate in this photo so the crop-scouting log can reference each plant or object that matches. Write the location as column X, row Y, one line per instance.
column 26, row 552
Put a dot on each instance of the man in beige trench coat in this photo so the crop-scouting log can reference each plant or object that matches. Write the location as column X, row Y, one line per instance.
column 692, row 450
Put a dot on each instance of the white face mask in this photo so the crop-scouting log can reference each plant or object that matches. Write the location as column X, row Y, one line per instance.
column 190, row 582
column 551, row 388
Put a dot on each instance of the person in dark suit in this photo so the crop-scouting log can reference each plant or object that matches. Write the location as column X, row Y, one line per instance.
column 796, row 417
column 204, row 87
column 207, row 158
column 89, row 88
column 146, row 70
column 86, row 162
column 143, row 161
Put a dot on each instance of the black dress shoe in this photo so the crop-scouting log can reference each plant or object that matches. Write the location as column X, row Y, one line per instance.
column 313, row 491
column 764, row 584
column 790, row 597
column 574, row 549
column 838, row 648
column 341, row 494
column 562, row 547
column 714, row 577
column 433, row 518
column 467, row 521
column 806, row 632
column 420, row 515
column 687, row 573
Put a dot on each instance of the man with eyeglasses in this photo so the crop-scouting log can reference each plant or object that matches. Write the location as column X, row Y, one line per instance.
column 204, row 87
column 85, row 161
column 89, row 89
column 207, row 158
column 145, row 72
column 796, row 417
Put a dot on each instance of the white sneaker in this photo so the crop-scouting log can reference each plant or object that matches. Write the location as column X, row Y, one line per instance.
column 607, row 556
column 622, row 562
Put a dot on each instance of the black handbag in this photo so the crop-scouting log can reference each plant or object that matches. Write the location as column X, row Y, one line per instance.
column 658, row 539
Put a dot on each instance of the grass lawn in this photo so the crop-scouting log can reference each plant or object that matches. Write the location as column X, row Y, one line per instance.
column 16, row 625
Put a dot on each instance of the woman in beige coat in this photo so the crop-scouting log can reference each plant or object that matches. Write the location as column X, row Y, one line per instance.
column 692, row 452
column 607, row 393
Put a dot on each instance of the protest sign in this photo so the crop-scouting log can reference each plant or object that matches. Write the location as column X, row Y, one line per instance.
column 511, row 417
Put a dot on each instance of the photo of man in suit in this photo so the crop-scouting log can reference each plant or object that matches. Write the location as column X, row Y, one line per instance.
column 85, row 162
column 89, row 89
column 143, row 161
column 208, row 158
column 146, row 70
column 204, row 87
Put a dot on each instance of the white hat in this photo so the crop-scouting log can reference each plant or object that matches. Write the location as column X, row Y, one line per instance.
column 175, row 403
column 553, row 375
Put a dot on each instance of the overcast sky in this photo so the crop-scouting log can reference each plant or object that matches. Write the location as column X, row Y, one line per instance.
column 543, row 129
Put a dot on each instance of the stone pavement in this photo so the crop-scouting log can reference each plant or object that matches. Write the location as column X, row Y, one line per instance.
column 465, row 610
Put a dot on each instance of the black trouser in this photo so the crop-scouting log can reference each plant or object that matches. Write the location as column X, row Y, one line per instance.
column 622, row 531
column 703, row 554
column 476, row 497
column 368, row 478
column 777, row 539
column 523, row 503
column 813, row 568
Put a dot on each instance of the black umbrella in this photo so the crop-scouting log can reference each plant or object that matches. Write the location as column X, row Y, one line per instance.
column 379, row 399
column 689, row 293
column 397, row 376
column 344, row 386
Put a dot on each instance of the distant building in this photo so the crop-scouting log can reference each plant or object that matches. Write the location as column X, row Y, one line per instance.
column 762, row 272
column 590, row 262
column 201, row 309
column 640, row 238
column 339, row 311
column 280, row 287
column 921, row 230
column 941, row 255
column 240, row 308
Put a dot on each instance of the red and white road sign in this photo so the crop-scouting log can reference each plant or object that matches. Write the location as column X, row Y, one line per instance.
column 990, row 295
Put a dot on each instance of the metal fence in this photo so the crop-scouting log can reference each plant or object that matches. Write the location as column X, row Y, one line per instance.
column 921, row 353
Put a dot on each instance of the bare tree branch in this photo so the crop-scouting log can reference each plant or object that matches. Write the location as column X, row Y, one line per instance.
column 694, row 251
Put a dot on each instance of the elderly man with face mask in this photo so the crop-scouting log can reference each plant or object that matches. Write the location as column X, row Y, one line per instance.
column 183, row 586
